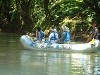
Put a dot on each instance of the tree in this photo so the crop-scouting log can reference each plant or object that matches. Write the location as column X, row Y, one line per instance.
column 94, row 5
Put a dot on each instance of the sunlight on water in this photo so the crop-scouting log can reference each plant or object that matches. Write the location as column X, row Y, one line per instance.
column 61, row 63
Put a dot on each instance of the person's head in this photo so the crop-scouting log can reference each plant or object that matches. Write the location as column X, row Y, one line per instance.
column 64, row 28
column 38, row 29
column 67, row 29
column 93, row 24
column 55, row 30
column 50, row 30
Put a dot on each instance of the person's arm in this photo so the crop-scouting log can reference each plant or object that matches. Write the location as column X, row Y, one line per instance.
column 92, row 35
column 89, row 38
column 39, row 35
column 62, row 36
column 57, row 36
column 36, row 35
column 50, row 36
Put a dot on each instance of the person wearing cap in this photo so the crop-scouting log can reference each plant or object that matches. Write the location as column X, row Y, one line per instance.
column 94, row 33
column 53, row 37
column 66, row 35
column 40, row 35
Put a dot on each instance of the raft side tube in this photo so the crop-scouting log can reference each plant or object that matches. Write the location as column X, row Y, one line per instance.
column 27, row 41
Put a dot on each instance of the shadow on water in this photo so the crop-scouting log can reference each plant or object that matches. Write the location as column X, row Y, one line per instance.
column 15, row 60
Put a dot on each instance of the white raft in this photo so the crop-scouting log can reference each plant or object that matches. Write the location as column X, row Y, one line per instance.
column 28, row 43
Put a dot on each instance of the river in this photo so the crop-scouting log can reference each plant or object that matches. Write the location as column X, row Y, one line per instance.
column 16, row 60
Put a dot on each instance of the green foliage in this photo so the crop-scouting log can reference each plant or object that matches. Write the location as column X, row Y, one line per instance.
column 26, row 15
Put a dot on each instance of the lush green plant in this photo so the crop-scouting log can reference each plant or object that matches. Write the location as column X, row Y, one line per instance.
column 26, row 15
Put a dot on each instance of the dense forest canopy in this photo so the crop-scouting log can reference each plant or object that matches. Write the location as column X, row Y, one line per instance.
column 26, row 15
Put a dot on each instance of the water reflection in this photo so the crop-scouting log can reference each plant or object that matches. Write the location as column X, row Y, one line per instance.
column 15, row 60
column 61, row 63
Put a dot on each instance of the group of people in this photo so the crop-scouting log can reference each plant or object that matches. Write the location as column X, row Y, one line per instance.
column 54, row 35
column 65, row 35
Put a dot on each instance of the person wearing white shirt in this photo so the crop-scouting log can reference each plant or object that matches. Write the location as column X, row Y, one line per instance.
column 53, row 37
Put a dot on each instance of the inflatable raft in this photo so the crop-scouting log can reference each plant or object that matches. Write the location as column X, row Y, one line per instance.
column 28, row 43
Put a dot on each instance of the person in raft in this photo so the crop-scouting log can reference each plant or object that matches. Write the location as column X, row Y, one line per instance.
column 40, row 35
column 93, row 34
column 53, row 37
column 66, row 35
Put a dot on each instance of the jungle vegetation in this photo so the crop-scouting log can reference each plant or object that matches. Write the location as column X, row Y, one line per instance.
column 25, row 15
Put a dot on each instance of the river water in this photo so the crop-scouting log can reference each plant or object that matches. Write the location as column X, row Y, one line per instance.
column 15, row 60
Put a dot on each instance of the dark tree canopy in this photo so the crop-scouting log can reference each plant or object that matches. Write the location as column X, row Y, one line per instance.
column 26, row 15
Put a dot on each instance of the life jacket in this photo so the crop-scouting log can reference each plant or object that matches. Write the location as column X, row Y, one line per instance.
column 54, row 36
column 42, row 35
column 67, row 36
